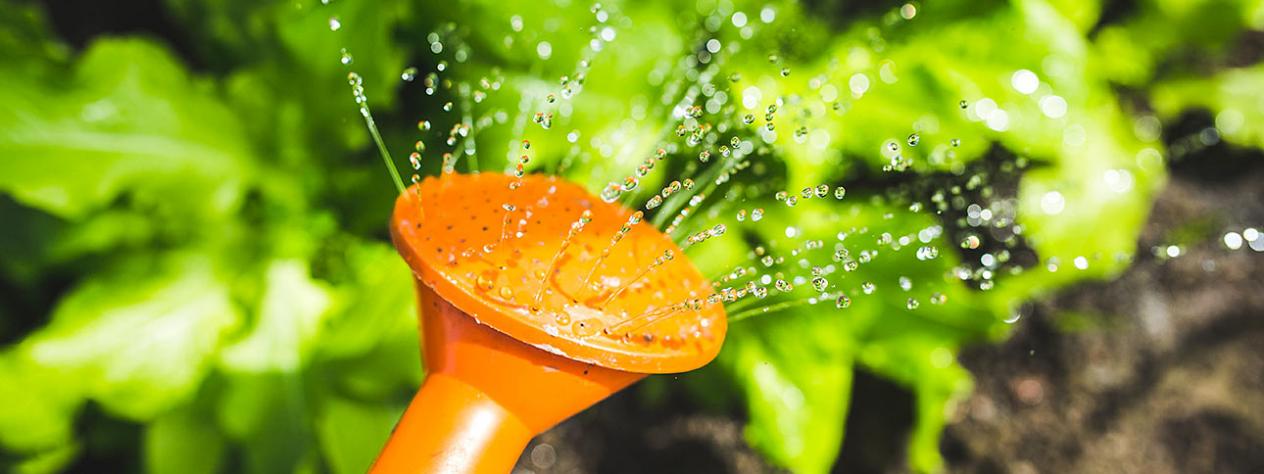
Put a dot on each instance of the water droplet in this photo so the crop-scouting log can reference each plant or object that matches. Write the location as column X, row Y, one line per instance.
column 783, row 286
column 868, row 287
column 610, row 193
column 334, row 23
column 840, row 192
column 1024, row 81
column 1233, row 240
column 927, row 252
column 820, row 283
column 842, row 301
column 759, row 292
column 485, row 283
column 912, row 303
column 409, row 74
column 345, row 57
column 905, row 283
column 914, row 139
column 908, row 11
column 1014, row 316
column 963, row 104
column 654, row 202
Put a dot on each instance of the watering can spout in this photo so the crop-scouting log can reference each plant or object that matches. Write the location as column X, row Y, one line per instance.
column 485, row 396
column 515, row 335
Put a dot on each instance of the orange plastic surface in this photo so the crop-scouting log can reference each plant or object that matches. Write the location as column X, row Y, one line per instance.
column 486, row 395
column 493, row 246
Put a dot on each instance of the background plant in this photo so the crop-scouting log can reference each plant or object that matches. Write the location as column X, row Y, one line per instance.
column 195, row 243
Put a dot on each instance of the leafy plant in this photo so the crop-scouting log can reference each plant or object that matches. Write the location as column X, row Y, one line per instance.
column 203, row 252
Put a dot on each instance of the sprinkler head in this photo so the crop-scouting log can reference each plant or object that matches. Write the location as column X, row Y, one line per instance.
column 537, row 300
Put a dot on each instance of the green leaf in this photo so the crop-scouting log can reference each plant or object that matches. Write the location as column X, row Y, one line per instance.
column 373, row 301
column 1234, row 95
column 352, row 433
column 266, row 405
column 365, row 32
column 1163, row 35
column 269, row 415
column 1109, row 194
column 285, row 76
column 128, row 119
column 25, row 38
column 912, row 346
column 48, row 462
column 39, row 406
column 184, row 441
column 288, row 323
column 797, row 393
column 618, row 122
column 927, row 366
column 138, row 339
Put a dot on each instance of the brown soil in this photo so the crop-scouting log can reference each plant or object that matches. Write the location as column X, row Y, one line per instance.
column 1158, row 371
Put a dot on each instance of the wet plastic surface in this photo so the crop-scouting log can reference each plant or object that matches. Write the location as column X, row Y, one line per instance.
column 507, row 271
column 529, row 314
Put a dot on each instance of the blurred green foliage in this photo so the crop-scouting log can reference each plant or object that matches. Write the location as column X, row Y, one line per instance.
column 203, row 252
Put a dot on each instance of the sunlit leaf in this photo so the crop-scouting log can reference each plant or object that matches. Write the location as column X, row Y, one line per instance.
column 138, row 339
column 287, row 325
column 797, row 393
column 127, row 119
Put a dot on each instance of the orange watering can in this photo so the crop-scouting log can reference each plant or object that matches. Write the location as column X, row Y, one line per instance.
column 537, row 300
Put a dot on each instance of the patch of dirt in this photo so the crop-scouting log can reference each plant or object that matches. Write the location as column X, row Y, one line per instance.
column 1158, row 371
column 623, row 434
